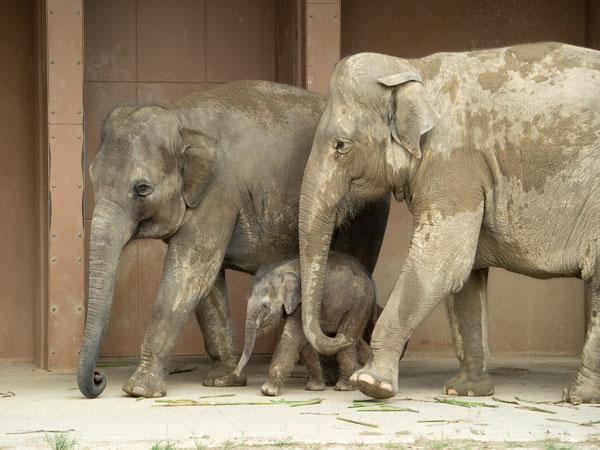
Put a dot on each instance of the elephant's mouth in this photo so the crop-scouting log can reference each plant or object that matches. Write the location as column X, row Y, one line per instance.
column 155, row 227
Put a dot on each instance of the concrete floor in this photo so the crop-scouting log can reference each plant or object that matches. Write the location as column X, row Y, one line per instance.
column 46, row 402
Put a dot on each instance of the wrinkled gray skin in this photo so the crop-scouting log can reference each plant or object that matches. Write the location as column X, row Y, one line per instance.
column 348, row 301
column 218, row 178
column 497, row 153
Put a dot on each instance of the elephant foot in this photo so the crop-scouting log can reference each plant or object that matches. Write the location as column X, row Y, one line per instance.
column 271, row 388
column 343, row 384
column 221, row 375
column 315, row 385
column 583, row 389
column 146, row 382
column 470, row 385
column 377, row 380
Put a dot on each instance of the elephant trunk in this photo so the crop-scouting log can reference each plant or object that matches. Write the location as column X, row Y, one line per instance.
column 319, row 200
column 252, row 327
column 111, row 230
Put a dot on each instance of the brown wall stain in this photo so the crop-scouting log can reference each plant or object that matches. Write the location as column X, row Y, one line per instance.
column 526, row 316
column 17, row 171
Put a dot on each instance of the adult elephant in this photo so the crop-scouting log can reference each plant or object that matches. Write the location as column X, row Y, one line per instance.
column 497, row 154
column 218, row 178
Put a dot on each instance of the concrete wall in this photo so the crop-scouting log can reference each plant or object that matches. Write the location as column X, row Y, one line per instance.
column 17, row 172
column 526, row 316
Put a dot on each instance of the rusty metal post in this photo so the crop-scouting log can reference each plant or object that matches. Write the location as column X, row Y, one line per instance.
column 323, row 42
column 64, row 316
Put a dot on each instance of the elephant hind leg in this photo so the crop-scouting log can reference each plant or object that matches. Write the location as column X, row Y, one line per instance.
column 310, row 358
column 585, row 387
column 214, row 318
column 467, row 311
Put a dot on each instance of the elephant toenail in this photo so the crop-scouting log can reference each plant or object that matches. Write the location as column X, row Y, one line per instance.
column 366, row 378
column 138, row 391
column 452, row 392
column 470, row 393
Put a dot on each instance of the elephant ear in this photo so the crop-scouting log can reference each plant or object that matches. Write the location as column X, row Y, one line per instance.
column 410, row 113
column 291, row 292
column 198, row 162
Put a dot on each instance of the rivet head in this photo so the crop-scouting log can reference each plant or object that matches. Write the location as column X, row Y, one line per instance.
column 310, row 16
column 79, row 259
column 51, row 12
column 53, row 259
column 53, row 352
column 53, row 308
column 78, row 235
column 79, row 186
column 53, row 185
column 53, row 235
column 78, row 111
column 79, row 308
column 78, row 63
column 335, row 16
column 78, row 136
column 51, row 61
column 52, row 137
column 52, row 112
column 78, row 12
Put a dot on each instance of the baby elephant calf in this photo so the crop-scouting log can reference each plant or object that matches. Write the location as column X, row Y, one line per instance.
column 349, row 298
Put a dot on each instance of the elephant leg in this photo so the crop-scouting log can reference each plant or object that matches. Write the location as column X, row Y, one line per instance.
column 352, row 326
column 585, row 387
column 310, row 358
column 467, row 311
column 214, row 318
column 190, row 270
column 285, row 356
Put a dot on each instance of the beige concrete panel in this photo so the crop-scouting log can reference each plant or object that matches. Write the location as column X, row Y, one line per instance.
column 110, row 40
column 170, row 40
column 99, row 100
column 17, row 172
column 65, row 57
column 66, row 306
column 165, row 94
column 240, row 40
column 238, row 288
column 535, row 316
column 66, row 272
column 322, row 44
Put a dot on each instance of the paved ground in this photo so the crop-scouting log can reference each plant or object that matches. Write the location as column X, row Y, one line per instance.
column 46, row 402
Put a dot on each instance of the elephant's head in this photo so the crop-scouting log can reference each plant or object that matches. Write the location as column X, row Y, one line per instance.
column 368, row 138
column 148, row 170
column 272, row 294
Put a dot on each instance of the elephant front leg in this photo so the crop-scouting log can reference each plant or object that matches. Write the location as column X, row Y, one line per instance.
column 190, row 270
column 285, row 356
column 214, row 318
column 585, row 387
column 439, row 262
column 467, row 311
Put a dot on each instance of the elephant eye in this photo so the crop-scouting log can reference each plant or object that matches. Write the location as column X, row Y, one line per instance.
column 143, row 188
column 342, row 146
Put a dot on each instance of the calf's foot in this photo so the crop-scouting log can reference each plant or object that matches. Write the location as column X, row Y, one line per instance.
column 147, row 382
column 378, row 379
column 272, row 388
column 469, row 384
column 343, row 384
column 315, row 385
column 221, row 375
column 585, row 388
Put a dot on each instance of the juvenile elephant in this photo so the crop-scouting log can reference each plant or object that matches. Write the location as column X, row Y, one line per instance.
column 497, row 154
column 218, row 178
column 348, row 301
